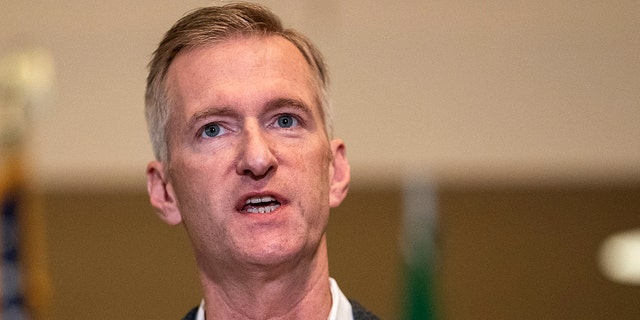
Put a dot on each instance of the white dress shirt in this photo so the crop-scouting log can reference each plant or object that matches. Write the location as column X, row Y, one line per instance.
column 340, row 305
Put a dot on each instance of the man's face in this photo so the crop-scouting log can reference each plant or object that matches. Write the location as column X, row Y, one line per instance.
column 251, row 172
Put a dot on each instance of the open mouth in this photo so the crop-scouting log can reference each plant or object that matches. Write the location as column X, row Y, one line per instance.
column 264, row 204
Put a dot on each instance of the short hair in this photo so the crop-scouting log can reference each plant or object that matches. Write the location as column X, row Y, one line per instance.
column 213, row 25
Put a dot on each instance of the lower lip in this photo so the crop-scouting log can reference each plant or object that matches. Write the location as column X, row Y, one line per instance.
column 262, row 210
column 273, row 218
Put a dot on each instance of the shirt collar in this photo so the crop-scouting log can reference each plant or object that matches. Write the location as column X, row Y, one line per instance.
column 340, row 306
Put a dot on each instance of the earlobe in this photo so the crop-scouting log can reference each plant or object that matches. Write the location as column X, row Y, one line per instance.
column 341, row 173
column 161, row 194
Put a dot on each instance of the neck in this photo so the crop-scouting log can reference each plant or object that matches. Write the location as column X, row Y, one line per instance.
column 294, row 290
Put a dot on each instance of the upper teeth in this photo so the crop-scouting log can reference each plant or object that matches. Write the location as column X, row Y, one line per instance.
column 260, row 199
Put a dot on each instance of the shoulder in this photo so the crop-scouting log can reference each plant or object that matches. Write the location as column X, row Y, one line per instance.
column 360, row 313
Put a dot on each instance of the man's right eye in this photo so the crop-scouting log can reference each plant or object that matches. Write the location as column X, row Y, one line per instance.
column 211, row 130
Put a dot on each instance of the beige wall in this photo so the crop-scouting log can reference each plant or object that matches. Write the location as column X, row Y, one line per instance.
column 526, row 89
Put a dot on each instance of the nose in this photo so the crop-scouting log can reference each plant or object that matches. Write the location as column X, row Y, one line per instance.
column 256, row 154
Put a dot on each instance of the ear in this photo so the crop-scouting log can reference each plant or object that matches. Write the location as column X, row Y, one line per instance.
column 161, row 194
column 340, row 173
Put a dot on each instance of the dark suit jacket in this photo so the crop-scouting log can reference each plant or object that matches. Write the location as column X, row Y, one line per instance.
column 359, row 313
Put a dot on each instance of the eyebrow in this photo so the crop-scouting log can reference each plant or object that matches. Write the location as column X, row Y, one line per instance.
column 288, row 103
column 209, row 112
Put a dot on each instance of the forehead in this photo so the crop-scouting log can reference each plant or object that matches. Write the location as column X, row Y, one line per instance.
column 240, row 68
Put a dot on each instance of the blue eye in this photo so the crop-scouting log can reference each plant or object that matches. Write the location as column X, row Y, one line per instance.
column 287, row 121
column 211, row 130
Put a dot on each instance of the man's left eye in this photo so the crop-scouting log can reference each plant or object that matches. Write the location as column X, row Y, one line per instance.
column 287, row 121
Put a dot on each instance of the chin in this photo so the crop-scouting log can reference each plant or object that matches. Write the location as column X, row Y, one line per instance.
column 275, row 255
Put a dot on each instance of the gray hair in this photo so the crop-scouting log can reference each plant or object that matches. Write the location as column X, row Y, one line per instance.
column 212, row 25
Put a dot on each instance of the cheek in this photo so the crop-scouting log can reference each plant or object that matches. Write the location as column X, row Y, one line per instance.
column 311, row 162
column 198, row 201
column 192, row 187
column 312, row 178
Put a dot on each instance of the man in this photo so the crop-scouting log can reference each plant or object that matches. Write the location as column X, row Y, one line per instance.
column 239, row 118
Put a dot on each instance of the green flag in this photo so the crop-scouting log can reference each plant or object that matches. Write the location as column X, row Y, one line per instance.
column 419, row 224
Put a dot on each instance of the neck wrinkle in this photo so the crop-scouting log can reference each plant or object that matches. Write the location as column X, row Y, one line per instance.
column 293, row 290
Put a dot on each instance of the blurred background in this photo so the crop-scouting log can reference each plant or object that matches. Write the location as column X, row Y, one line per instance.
column 495, row 149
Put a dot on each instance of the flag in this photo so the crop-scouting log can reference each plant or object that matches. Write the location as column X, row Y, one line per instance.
column 25, row 287
column 419, row 233
column 25, row 83
column 12, row 286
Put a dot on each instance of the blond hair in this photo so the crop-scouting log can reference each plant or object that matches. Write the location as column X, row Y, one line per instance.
column 212, row 25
